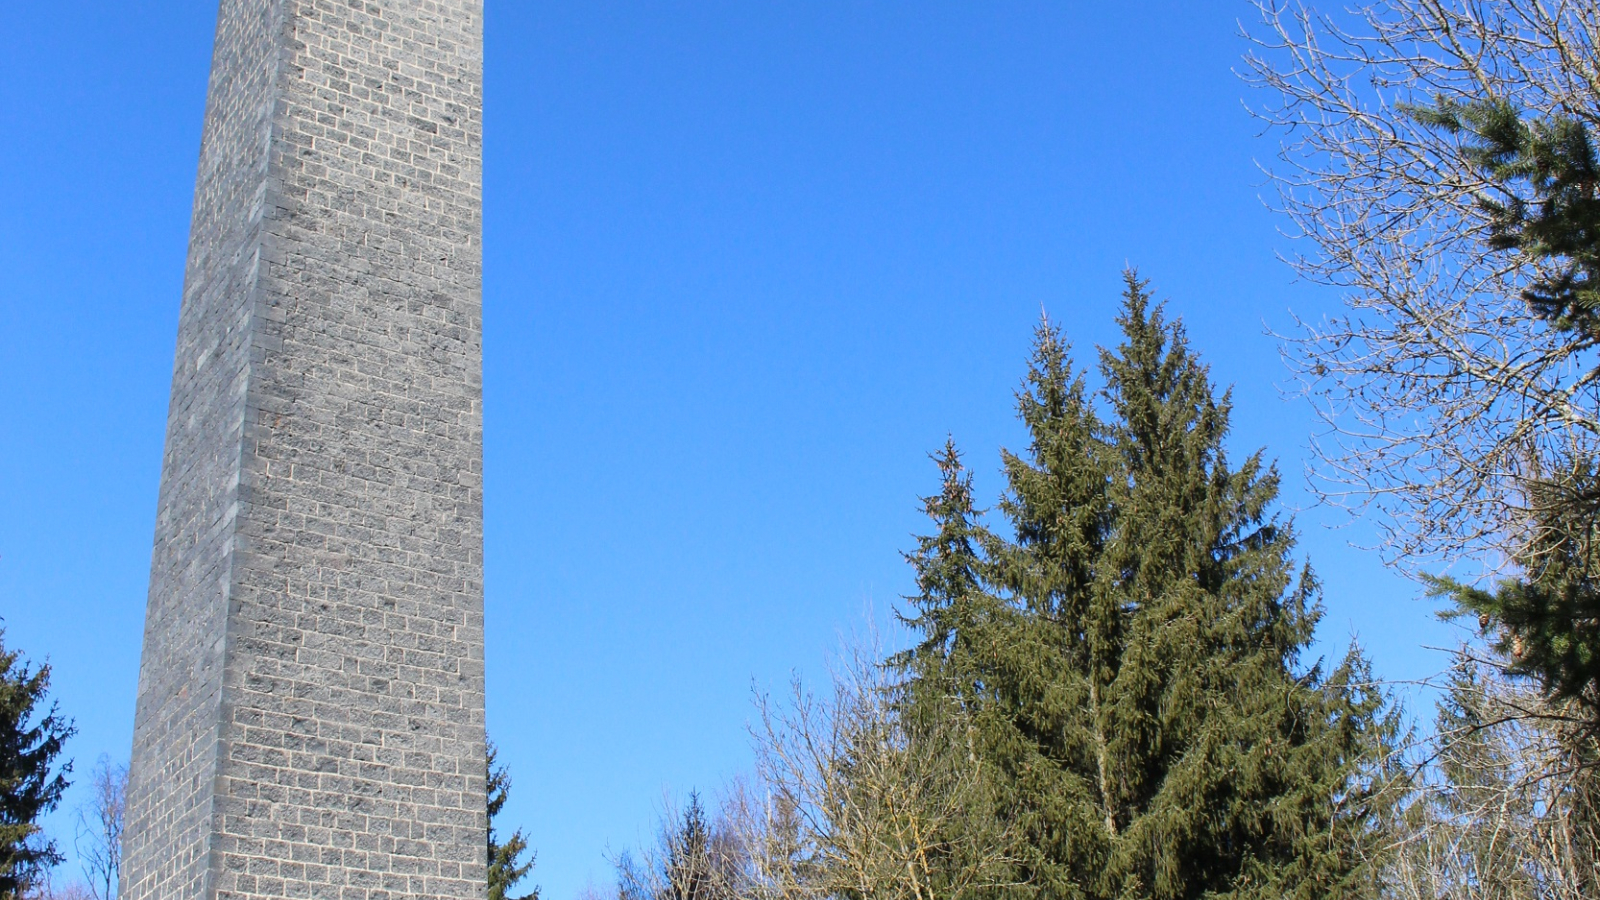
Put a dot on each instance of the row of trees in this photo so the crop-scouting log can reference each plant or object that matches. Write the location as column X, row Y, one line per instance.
column 1105, row 697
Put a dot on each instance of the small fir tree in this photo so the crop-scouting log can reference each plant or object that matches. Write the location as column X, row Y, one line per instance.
column 957, row 619
column 31, row 783
column 506, row 868
column 693, row 861
column 689, row 859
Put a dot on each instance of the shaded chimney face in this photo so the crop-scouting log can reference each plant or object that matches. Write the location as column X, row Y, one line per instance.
column 310, row 718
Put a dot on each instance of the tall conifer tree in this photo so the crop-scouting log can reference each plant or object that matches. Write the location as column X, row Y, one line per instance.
column 1058, row 508
column 1231, row 769
column 1150, row 726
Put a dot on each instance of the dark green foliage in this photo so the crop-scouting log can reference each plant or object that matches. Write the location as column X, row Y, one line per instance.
column 960, row 622
column 506, row 868
column 1134, row 647
column 31, row 784
column 954, row 696
column 1058, row 505
column 1548, row 176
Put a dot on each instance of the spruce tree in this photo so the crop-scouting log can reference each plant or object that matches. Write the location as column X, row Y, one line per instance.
column 32, row 737
column 689, row 862
column 1057, row 504
column 1148, row 722
column 952, row 695
column 694, row 859
column 506, row 867
column 1547, row 171
column 1230, row 769
column 956, row 618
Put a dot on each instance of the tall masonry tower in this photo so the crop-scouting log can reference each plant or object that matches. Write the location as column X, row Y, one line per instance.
column 310, row 716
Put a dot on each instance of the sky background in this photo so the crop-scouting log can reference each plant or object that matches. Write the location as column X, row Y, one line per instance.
column 746, row 264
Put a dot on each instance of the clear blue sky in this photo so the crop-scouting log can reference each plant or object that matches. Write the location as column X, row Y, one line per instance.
column 746, row 264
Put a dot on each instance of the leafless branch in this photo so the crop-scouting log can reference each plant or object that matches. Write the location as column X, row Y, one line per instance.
column 99, row 835
column 857, row 805
column 1437, row 388
column 1505, row 807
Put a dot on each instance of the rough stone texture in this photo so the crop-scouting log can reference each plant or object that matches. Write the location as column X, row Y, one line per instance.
column 310, row 719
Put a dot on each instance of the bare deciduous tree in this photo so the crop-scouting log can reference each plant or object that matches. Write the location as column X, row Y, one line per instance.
column 99, row 835
column 49, row 890
column 1442, row 393
column 845, row 802
column 1507, row 810
column 857, row 805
